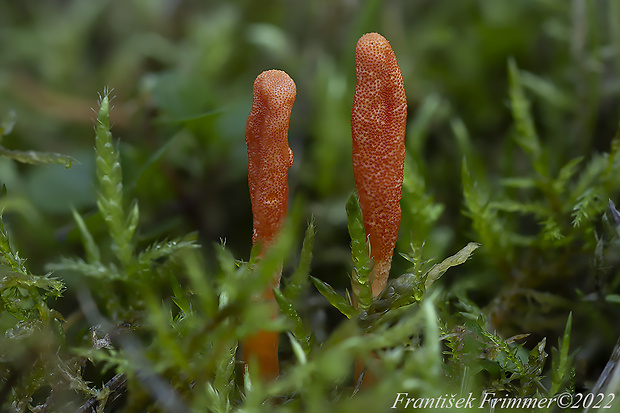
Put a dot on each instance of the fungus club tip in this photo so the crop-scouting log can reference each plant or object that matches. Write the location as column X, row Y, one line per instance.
column 276, row 85
column 370, row 43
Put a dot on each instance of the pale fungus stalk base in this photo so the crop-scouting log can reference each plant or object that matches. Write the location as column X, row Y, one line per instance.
column 261, row 349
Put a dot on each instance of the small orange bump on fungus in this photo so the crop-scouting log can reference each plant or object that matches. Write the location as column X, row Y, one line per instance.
column 269, row 159
column 378, row 123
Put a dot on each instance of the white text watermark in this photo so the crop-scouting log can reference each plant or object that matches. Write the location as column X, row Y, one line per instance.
column 495, row 401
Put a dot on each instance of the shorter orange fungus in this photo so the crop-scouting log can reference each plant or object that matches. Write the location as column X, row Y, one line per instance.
column 269, row 156
column 269, row 159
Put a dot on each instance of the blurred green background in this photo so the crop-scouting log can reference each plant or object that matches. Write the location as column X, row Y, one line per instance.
column 182, row 74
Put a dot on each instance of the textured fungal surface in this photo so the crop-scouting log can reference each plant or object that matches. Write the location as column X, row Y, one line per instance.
column 269, row 156
column 378, row 122
column 269, row 159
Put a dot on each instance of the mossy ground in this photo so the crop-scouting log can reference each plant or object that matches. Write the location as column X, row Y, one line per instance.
column 127, row 277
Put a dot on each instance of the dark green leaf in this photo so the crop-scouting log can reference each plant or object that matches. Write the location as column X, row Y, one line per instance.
column 334, row 298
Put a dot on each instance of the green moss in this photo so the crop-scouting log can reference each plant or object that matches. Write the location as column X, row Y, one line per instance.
column 509, row 235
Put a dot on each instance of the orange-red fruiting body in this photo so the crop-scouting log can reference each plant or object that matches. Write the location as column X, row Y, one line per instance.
column 378, row 123
column 269, row 156
column 269, row 159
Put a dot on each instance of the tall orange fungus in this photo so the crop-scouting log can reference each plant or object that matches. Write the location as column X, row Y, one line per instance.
column 378, row 123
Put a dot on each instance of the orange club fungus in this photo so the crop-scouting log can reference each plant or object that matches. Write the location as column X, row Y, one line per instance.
column 269, row 159
column 269, row 156
column 378, row 123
